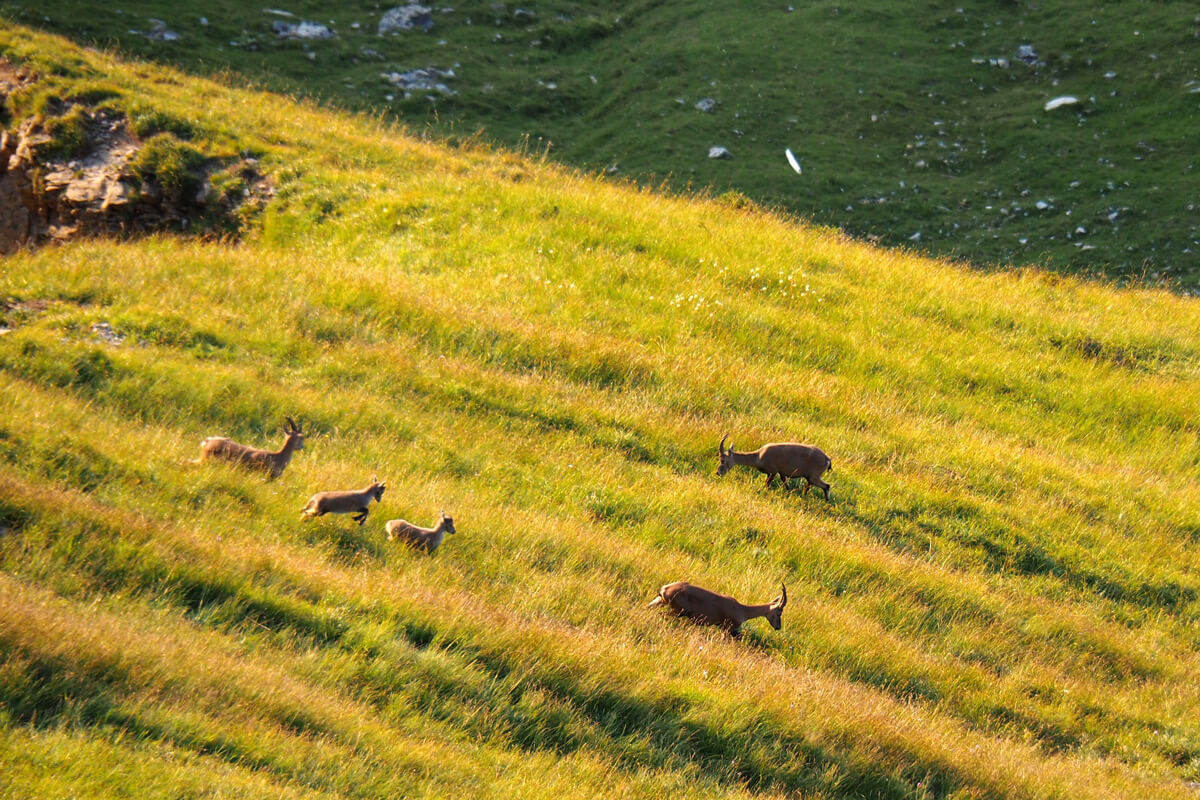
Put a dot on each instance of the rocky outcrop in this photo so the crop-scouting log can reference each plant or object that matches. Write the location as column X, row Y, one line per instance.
column 46, row 198
column 95, row 191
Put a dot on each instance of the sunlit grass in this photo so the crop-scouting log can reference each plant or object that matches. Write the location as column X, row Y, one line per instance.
column 1000, row 600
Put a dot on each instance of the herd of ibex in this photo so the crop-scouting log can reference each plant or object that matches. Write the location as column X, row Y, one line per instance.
column 785, row 459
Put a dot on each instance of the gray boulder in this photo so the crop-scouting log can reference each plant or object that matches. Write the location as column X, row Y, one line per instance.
column 301, row 30
column 406, row 18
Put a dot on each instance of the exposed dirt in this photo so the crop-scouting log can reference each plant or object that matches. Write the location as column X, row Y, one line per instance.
column 46, row 198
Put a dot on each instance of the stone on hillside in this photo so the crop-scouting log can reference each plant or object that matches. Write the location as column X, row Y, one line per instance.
column 405, row 18
column 301, row 30
column 1027, row 54
column 706, row 104
column 106, row 333
column 421, row 80
column 159, row 32
column 716, row 151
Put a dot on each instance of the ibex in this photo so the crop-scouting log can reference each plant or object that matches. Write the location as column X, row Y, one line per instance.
column 346, row 502
column 712, row 608
column 786, row 459
column 273, row 462
column 427, row 538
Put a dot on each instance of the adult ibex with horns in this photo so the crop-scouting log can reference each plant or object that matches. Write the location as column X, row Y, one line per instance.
column 712, row 608
column 785, row 459
column 273, row 462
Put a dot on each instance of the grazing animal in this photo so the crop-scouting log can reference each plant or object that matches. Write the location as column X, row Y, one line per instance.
column 346, row 502
column 785, row 459
column 273, row 462
column 713, row 608
column 415, row 535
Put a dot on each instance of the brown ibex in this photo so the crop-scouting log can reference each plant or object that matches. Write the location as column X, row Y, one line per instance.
column 427, row 538
column 345, row 502
column 273, row 462
column 713, row 608
column 785, row 459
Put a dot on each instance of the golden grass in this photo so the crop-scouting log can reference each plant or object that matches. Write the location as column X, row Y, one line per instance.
column 1001, row 601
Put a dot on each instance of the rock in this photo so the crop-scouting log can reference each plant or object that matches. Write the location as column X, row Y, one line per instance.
column 85, row 190
column 916, row 237
column 524, row 13
column 716, row 151
column 117, row 195
column 16, row 223
column 57, row 180
column 160, row 32
column 301, row 30
column 421, row 80
column 706, row 104
column 1026, row 54
column 405, row 18
column 1059, row 102
column 105, row 333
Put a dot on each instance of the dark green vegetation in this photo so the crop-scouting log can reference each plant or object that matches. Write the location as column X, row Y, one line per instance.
column 1002, row 599
column 916, row 123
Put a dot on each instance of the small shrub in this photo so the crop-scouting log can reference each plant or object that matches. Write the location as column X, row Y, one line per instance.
column 68, row 133
column 170, row 162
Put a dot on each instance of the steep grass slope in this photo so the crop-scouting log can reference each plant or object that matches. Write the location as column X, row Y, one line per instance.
column 1000, row 601
column 913, row 120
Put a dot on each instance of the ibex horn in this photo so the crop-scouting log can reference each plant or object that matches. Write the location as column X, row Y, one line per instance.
column 784, row 596
column 291, row 424
column 721, row 446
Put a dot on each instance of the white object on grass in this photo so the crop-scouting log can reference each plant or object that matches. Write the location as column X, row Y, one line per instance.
column 795, row 162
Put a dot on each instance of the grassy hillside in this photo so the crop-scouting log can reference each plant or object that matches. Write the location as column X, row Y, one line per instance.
column 1000, row 601
column 915, row 122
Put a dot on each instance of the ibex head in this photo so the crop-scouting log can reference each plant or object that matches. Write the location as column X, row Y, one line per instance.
column 377, row 488
column 726, row 456
column 775, row 615
column 447, row 523
column 295, row 436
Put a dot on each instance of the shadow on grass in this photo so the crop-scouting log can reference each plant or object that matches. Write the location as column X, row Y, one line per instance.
column 348, row 541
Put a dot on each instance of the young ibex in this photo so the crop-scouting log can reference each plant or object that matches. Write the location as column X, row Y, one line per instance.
column 415, row 535
column 346, row 502
column 786, row 459
column 712, row 608
column 272, row 462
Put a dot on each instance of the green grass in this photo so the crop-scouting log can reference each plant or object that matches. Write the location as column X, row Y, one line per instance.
column 1001, row 600
column 904, row 120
